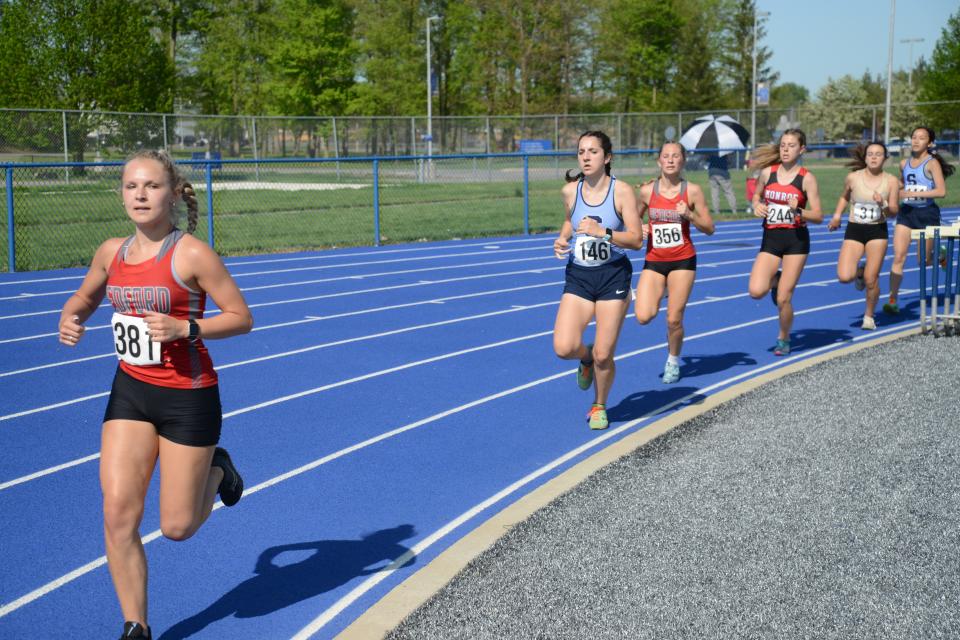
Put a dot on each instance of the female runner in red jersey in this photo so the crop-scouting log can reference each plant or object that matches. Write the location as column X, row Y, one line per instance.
column 165, row 402
column 671, row 204
column 787, row 199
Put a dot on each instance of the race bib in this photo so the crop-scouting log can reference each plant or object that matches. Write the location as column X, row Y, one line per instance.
column 591, row 250
column 666, row 236
column 914, row 188
column 131, row 342
column 866, row 212
column 779, row 214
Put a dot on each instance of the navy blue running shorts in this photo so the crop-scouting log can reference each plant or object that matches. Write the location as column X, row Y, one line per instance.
column 190, row 417
column 610, row 281
column 785, row 242
column 919, row 217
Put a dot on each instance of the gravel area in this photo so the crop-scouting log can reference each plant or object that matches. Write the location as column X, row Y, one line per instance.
column 825, row 504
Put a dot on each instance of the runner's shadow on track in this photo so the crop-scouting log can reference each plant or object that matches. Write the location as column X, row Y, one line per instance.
column 813, row 338
column 694, row 366
column 641, row 403
column 331, row 564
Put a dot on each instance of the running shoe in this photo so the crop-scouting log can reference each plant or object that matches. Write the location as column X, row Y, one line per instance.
column 868, row 323
column 858, row 282
column 135, row 630
column 671, row 373
column 774, row 284
column 891, row 308
column 782, row 347
column 585, row 372
column 231, row 487
column 597, row 417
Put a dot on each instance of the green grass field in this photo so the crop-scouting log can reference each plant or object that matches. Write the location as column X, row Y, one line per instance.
column 60, row 225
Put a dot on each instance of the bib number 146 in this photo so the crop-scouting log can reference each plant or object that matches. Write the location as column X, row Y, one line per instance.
column 590, row 249
column 132, row 342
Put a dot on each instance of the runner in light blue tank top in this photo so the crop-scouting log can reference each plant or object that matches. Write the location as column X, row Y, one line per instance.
column 917, row 179
column 597, row 282
column 928, row 181
column 588, row 250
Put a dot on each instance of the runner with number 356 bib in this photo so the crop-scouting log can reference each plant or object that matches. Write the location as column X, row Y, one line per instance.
column 603, row 221
column 788, row 199
column 672, row 204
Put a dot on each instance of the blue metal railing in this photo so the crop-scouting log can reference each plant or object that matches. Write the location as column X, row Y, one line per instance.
column 208, row 165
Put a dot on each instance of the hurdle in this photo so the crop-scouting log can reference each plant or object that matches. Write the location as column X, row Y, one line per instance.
column 951, row 295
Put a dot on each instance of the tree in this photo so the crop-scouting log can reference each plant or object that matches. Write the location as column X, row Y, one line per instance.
column 834, row 110
column 941, row 79
column 789, row 94
column 72, row 54
column 738, row 59
column 638, row 69
column 698, row 65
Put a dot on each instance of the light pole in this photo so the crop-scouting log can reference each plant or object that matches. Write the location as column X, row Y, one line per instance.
column 753, row 100
column 910, row 41
column 429, row 93
column 886, row 116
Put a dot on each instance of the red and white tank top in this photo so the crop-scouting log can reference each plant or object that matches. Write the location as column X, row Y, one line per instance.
column 777, row 198
column 668, row 237
column 153, row 285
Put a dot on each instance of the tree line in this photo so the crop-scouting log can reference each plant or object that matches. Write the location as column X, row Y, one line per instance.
column 367, row 57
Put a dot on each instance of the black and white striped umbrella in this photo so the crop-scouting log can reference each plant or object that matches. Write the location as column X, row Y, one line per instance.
column 708, row 132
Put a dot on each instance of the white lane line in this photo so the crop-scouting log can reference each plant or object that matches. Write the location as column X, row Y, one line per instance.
column 407, row 329
column 550, row 257
column 380, row 274
column 76, row 573
column 340, row 605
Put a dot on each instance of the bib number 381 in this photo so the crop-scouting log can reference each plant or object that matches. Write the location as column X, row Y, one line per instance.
column 592, row 250
column 132, row 342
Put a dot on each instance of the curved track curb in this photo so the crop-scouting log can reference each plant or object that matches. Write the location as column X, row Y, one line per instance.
column 406, row 597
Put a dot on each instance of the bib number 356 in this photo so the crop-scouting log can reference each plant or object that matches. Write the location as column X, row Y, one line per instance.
column 132, row 342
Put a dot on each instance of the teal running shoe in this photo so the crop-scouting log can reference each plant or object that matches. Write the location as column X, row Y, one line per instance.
column 585, row 373
column 782, row 347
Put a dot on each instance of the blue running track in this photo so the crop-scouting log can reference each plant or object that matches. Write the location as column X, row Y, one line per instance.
column 388, row 401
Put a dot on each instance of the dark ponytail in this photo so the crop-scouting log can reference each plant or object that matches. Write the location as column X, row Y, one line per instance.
column 945, row 166
column 605, row 144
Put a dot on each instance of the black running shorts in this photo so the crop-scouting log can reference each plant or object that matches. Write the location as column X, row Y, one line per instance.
column 864, row 233
column 664, row 267
column 186, row 416
column 785, row 242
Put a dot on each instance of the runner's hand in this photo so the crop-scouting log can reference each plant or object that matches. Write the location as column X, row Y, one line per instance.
column 760, row 210
column 561, row 248
column 834, row 223
column 71, row 331
column 164, row 328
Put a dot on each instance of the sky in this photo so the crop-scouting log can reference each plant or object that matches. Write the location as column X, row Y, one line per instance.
column 814, row 40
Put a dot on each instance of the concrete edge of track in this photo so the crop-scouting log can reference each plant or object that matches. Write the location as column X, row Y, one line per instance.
column 405, row 598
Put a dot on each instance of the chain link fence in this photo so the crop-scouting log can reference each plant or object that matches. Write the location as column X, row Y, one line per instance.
column 88, row 136
column 55, row 215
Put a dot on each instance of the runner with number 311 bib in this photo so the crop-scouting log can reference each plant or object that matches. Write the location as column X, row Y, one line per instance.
column 788, row 199
column 603, row 220
column 671, row 204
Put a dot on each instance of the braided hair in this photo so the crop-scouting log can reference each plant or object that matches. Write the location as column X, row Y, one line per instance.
column 605, row 144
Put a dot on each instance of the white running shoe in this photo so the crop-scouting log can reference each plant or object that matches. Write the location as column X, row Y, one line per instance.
column 868, row 323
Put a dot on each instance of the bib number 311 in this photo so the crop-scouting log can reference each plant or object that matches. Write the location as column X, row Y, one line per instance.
column 132, row 342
